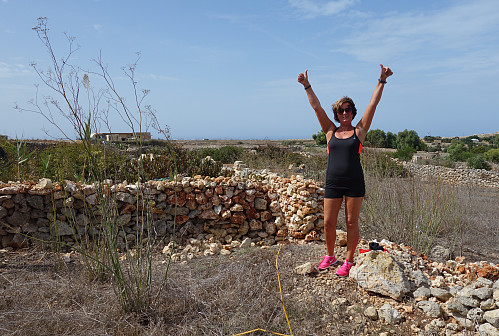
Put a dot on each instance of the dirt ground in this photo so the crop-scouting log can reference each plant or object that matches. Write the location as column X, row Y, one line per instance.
column 217, row 295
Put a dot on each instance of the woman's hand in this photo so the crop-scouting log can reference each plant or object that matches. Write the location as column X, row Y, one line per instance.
column 385, row 72
column 303, row 78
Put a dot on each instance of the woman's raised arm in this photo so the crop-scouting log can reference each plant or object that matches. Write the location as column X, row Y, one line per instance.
column 326, row 124
column 367, row 118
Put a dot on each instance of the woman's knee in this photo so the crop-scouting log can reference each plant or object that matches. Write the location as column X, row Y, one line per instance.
column 352, row 225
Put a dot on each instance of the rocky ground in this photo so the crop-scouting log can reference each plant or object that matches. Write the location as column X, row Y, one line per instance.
column 395, row 292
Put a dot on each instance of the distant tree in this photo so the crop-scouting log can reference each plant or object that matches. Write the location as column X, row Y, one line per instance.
column 458, row 151
column 376, row 138
column 495, row 141
column 409, row 139
column 430, row 138
column 320, row 138
column 391, row 140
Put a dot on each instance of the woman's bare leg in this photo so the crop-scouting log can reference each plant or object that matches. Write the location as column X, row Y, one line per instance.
column 331, row 210
column 352, row 212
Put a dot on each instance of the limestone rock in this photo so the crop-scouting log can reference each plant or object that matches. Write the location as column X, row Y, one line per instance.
column 60, row 228
column 440, row 253
column 482, row 293
column 422, row 292
column 260, row 204
column 371, row 313
column 389, row 314
column 245, row 243
column 305, row 269
column 441, row 294
column 488, row 329
column 431, row 309
column 456, row 307
column 341, row 238
column 492, row 316
column 44, row 183
column 475, row 314
column 378, row 272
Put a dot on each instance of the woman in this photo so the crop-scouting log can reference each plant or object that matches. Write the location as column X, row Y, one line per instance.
column 344, row 175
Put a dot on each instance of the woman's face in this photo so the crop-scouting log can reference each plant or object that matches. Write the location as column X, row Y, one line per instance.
column 345, row 114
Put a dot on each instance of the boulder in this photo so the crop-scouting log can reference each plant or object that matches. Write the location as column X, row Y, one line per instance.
column 378, row 272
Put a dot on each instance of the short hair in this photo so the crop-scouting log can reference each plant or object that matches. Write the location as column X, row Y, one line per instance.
column 336, row 107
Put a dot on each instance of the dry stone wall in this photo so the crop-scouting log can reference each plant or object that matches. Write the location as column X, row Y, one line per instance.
column 221, row 209
column 456, row 176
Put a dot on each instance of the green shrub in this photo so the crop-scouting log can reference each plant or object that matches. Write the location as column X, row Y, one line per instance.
column 320, row 138
column 479, row 149
column 447, row 162
column 405, row 153
column 478, row 162
column 492, row 155
column 458, row 151
column 226, row 154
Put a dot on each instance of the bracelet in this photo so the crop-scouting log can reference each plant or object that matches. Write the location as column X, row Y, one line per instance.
column 381, row 81
column 308, row 87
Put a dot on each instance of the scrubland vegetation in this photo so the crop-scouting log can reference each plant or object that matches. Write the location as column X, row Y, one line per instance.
column 101, row 290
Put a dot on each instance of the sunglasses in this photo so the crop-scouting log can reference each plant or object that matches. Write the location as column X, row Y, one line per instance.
column 347, row 110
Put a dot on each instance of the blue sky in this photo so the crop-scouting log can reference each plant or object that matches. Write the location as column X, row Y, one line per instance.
column 227, row 69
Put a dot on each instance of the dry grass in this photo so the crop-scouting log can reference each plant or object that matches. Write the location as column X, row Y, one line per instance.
column 225, row 295
column 426, row 213
column 217, row 295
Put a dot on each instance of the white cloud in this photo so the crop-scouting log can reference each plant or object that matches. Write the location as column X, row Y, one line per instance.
column 160, row 77
column 13, row 70
column 97, row 26
column 453, row 36
column 310, row 9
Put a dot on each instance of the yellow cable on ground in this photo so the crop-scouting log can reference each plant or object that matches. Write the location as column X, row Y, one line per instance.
column 282, row 302
column 252, row 331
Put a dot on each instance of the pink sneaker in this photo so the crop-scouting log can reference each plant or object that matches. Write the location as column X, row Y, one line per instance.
column 326, row 262
column 344, row 270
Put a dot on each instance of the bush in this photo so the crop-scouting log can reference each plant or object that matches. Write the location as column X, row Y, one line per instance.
column 458, row 151
column 492, row 155
column 478, row 162
column 320, row 138
column 405, row 153
column 226, row 154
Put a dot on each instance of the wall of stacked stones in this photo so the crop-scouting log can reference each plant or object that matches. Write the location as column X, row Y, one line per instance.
column 455, row 176
column 220, row 209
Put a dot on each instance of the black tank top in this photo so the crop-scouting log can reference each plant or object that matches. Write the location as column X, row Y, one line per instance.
column 343, row 164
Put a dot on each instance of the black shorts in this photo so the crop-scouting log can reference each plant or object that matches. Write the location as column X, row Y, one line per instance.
column 358, row 190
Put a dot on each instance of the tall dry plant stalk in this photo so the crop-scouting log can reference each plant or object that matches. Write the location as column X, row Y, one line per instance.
column 102, row 241
column 411, row 211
